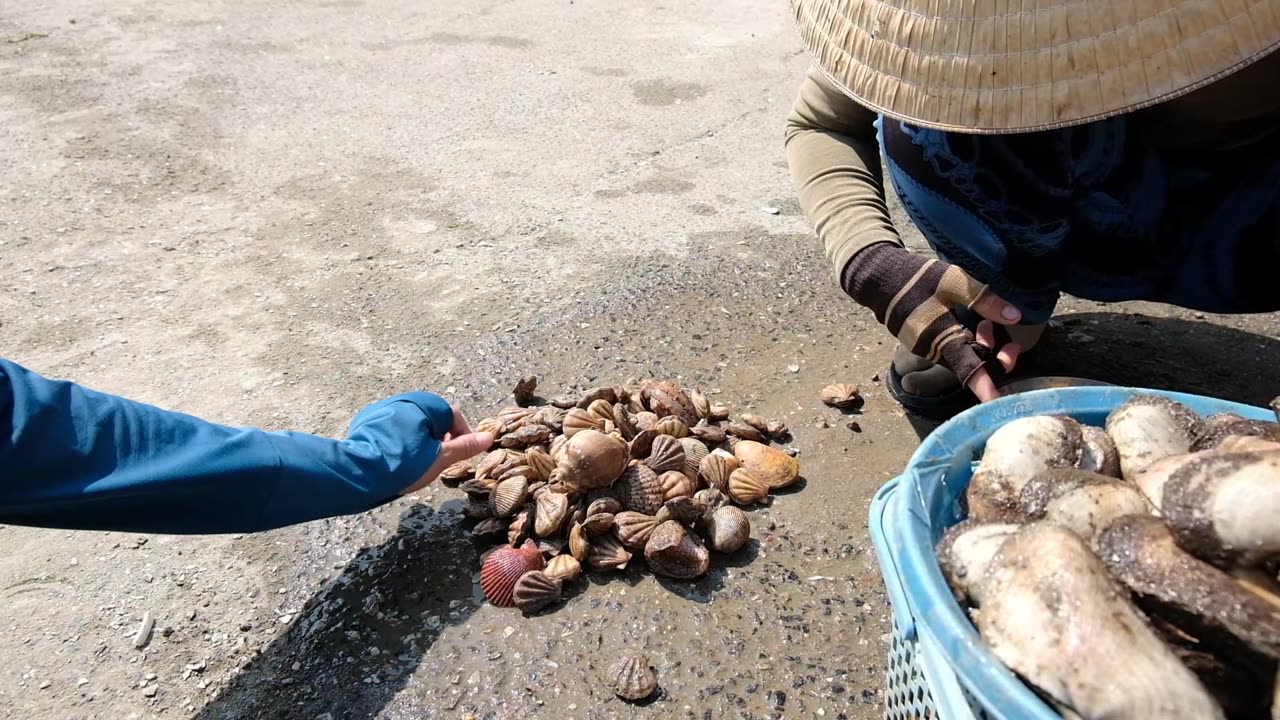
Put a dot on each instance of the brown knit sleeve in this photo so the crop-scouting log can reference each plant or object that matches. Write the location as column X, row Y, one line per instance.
column 835, row 167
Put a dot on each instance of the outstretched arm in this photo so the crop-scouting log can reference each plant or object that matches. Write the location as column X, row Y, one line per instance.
column 74, row 458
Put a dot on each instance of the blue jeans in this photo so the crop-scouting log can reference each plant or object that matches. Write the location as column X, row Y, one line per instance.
column 1096, row 212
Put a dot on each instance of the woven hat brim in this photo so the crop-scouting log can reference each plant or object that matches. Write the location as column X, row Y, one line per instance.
column 999, row 66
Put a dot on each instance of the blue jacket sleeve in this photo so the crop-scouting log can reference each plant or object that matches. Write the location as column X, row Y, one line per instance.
column 74, row 458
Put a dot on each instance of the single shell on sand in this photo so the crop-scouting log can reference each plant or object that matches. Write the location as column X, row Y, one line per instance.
column 631, row 676
column 675, row 552
column 535, row 590
column 840, row 395
column 504, row 567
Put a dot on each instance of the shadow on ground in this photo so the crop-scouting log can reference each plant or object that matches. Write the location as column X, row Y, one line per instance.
column 1139, row 350
column 357, row 642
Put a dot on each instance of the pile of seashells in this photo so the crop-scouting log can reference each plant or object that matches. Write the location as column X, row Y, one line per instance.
column 654, row 470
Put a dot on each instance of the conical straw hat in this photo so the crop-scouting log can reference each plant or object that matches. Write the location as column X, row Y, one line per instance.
column 999, row 66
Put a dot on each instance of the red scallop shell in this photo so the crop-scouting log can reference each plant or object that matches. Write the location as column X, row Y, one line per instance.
column 504, row 567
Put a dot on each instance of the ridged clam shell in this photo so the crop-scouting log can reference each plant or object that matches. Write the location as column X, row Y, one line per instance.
column 601, row 410
column 666, row 454
column 694, row 451
column 578, row 546
column 540, row 462
column 577, row 420
column 504, row 567
column 676, row 552
column 598, row 524
column 565, row 567
column 508, row 496
column 675, row 484
column 716, row 468
column 673, row 426
column 747, row 488
column 607, row 553
column 631, row 676
column 729, row 529
column 535, row 590
column 607, row 504
column 634, row 528
column 551, row 510
column 639, row 490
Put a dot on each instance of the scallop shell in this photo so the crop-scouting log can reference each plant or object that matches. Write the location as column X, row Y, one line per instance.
column 601, row 410
column 577, row 420
column 639, row 489
column 840, row 395
column 667, row 399
column 578, row 546
column 776, row 468
column 645, row 420
column 675, row 552
column 713, row 434
column 520, row 527
column 747, row 488
column 552, row 509
column 634, row 528
column 607, row 553
column 716, row 468
column 490, row 425
column 459, row 471
column 490, row 462
column 607, row 504
column 525, row 436
column 666, row 454
column 598, row 524
column 592, row 460
column 504, row 567
column 701, row 405
column 540, row 462
column 565, row 567
column 642, row 444
column 673, row 426
column 552, row 417
column 744, row 431
column 535, row 590
column 694, row 451
column 631, row 676
column 557, row 448
column 675, row 484
column 508, row 496
column 728, row 530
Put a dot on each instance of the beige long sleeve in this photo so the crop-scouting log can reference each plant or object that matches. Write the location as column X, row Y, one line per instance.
column 835, row 167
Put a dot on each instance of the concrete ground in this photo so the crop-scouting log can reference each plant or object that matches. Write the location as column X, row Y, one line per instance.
column 272, row 214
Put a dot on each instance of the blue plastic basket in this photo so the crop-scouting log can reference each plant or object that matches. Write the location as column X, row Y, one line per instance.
column 938, row 666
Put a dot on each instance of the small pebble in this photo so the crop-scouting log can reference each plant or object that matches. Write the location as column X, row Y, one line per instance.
column 854, row 426
column 45, row 684
column 793, row 368
column 246, row 627
column 150, row 691
column 770, row 210
column 82, row 682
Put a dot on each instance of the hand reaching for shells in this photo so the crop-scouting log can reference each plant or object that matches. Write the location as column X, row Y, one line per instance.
column 458, row 444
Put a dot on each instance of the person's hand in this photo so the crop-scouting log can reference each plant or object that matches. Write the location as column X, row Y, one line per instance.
column 913, row 296
column 459, row 444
